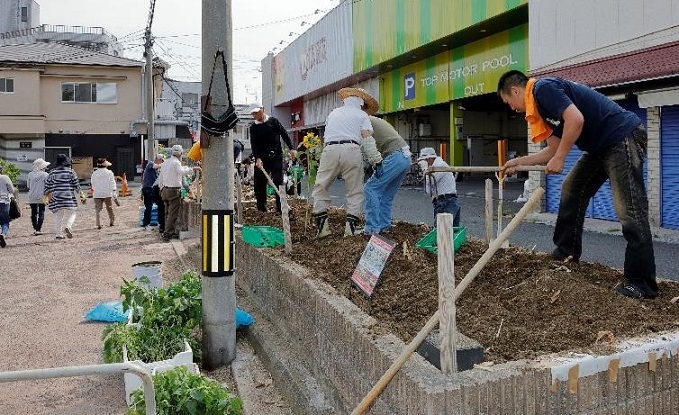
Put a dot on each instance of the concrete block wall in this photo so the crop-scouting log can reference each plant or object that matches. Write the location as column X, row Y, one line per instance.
column 338, row 343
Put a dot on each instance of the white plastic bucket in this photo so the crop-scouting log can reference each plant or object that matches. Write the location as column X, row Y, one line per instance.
column 153, row 270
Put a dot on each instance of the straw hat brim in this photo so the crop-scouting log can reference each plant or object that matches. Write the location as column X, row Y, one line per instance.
column 371, row 104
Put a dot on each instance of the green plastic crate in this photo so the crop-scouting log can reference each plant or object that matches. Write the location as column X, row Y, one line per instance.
column 262, row 236
column 428, row 242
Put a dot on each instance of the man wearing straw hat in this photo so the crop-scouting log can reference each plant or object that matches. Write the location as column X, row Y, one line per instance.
column 345, row 130
column 103, row 190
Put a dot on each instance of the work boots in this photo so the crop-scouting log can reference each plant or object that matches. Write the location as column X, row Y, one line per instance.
column 322, row 225
column 351, row 228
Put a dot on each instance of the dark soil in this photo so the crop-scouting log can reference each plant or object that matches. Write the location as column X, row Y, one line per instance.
column 523, row 304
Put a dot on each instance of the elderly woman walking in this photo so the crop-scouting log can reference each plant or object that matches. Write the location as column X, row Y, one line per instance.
column 36, row 194
column 6, row 195
column 61, row 187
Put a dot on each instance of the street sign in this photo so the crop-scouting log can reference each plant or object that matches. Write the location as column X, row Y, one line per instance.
column 372, row 262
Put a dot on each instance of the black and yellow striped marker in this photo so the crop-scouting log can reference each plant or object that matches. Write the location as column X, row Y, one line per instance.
column 218, row 243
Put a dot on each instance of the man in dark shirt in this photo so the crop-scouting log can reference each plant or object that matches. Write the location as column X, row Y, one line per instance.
column 151, row 193
column 265, row 137
column 614, row 144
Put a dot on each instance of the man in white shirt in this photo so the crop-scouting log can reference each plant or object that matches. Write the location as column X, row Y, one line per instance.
column 440, row 186
column 345, row 130
column 170, row 180
column 104, row 189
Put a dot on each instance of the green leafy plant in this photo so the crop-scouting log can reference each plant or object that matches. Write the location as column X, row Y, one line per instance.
column 10, row 170
column 179, row 392
column 164, row 319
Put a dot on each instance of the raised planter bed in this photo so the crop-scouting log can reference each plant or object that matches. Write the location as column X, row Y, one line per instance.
column 344, row 353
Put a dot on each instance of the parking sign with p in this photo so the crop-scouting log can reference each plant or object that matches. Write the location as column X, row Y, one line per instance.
column 409, row 86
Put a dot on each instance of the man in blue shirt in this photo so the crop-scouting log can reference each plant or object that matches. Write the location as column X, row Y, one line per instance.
column 613, row 141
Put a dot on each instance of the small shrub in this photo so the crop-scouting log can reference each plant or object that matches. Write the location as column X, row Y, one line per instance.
column 179, row 392
column 10, row 170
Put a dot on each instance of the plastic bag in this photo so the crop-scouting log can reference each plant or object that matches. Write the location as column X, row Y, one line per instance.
column 14, row 211
column 109, row 312
column 243, row 319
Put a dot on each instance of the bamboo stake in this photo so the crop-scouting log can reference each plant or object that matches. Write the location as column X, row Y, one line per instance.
column 285, row 212
column 489, row 211
column 239, row 197
column 481, row 169
column 383, row 382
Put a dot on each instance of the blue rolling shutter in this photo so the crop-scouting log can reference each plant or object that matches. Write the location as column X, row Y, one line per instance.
column 554, row 181
column 601, row 205
column 669, row 163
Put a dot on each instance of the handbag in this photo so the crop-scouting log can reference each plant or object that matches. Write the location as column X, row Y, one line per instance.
column 226, row 121
column 14, row 211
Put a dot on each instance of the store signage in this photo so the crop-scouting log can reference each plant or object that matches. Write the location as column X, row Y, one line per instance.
column 466, row 71
column 25, row 144
column 409, row 86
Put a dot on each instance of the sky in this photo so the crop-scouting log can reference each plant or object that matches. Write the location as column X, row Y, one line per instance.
column 259, row 26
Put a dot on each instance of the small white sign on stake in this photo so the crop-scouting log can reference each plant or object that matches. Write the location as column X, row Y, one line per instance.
column 372, row 262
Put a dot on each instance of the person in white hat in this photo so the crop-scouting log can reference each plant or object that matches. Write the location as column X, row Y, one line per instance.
column 170, row 178
column 440, row 186
column 104, row 189
column 346, row 129
column 265, row 138
column 36, row 193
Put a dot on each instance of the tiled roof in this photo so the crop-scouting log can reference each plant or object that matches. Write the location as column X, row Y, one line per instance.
column 58, row 53
column 660, row 61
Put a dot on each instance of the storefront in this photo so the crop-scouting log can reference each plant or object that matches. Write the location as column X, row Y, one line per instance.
column 448, row 101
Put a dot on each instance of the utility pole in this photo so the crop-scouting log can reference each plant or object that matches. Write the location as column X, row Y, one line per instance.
column 148, row 81
column 218, row 280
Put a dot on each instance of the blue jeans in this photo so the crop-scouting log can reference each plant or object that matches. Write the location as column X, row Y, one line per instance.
column 447, row 204
column 623, row 165
column 379, row 192
column 4, row 218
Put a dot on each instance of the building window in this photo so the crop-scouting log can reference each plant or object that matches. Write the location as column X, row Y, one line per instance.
column 100, row 93
column 24, row 14
column 7, row 85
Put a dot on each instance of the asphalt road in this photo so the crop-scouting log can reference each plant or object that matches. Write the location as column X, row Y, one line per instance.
column 600, row 243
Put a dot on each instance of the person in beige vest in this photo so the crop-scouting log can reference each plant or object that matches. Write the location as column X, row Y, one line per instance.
column 345, row 129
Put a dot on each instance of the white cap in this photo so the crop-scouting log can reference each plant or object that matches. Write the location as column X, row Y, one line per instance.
column 427, row 153
column 256, row 107
column 177, row 149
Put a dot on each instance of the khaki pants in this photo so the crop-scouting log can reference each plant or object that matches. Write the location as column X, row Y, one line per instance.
column 172, row 198
column 98, row 206
column 347, row 160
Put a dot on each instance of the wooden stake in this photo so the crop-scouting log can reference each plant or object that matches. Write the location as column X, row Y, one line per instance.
column 383, row 382
column 446, row 273
column 285, row 211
